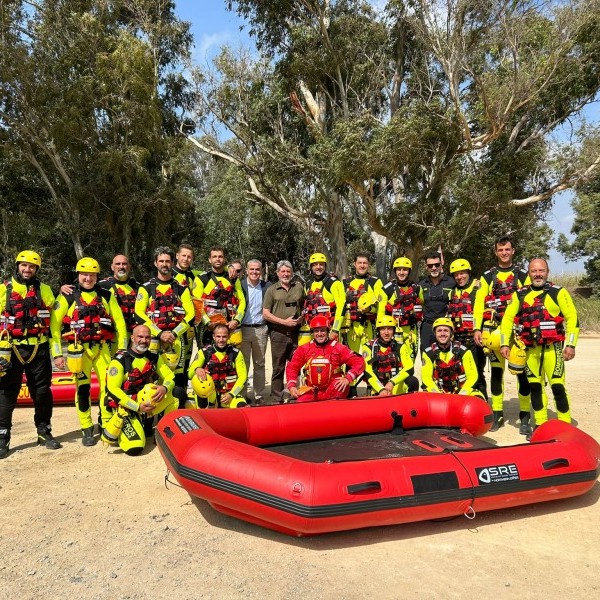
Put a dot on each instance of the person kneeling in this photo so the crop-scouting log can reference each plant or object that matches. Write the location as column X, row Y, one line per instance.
column 218, row 373
column 139, row 385
column 389, row 364
column 449, row 366
column 322, row 361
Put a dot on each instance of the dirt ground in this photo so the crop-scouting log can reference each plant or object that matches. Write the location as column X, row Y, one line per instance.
column 95, row 523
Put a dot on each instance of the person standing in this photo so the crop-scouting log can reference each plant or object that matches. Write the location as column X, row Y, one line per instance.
column 282, row 309
column 25, row 307
column 255, row 332
column 548, row 325
column 437, row 290
column 91, row 316
column 497, row 286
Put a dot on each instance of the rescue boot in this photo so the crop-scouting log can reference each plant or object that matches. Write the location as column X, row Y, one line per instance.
column 498, row 420
column 88, row 436
column 4, row 442
column 45, row 438
column 525, row 428
column 528, row 437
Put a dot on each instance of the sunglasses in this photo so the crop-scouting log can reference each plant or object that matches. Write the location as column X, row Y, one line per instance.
column 237, row 270
column 434, row 265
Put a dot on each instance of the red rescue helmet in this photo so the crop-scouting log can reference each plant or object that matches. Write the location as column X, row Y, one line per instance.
column 319, row 321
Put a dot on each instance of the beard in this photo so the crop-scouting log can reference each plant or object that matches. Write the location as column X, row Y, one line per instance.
column 140, row 348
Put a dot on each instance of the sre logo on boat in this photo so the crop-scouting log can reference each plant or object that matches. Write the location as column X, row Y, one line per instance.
column 498, row 473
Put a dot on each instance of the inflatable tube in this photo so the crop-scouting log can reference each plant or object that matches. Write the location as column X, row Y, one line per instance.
column 311, row 468
column 63, row 389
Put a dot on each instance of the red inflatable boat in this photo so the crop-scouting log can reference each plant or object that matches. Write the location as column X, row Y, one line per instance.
column 310, row 468
column 63, row 389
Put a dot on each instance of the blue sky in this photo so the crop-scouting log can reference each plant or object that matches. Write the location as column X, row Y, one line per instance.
column 213, row 26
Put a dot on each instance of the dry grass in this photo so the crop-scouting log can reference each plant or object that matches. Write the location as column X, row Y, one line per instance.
column 587, row 308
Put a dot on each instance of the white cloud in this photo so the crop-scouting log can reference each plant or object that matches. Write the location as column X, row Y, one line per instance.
column 210, row 43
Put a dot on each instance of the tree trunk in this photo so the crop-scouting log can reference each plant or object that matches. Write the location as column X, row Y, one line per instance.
column 381, row 244
column 335, row 233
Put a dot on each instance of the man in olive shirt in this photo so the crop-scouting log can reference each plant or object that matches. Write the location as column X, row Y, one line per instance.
column 282, row 308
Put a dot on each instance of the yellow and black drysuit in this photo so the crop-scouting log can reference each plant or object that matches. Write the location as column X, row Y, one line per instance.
column 545, row 319
column 128, row 373
column 228, row 370
column 25, row 322
column 389, row 361
column 359, row 326
column 461, row 311
column 325, row 297
column 497, row 286
column 95, row 319
column 166, row 306
column 404, row 302
column 126, row 293
column 451, row 370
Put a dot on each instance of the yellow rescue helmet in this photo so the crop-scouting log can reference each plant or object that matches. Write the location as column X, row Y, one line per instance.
column 460, row 264
column 317, row 257
column 147, row 393
column 171, row 356
column 445, row 321
column 29, row 256
column 87, row 265
column 203, row 388
column 385, row 321
column 402, row 261
column 366, row 301
column 517, row 359
column 492, row 340
column 235, row 337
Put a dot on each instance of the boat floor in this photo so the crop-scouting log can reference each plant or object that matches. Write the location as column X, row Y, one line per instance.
column 412, row 442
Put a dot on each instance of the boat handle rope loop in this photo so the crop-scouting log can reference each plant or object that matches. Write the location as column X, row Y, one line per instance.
column 167, row 480
column 470, row 512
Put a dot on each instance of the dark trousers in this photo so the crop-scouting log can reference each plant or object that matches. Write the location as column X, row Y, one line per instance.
column 39, row 378
column 282, row 347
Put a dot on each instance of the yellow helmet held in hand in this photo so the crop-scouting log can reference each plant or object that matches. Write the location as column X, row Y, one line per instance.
column 317, row 257
column 366, row 301
column 29, row 256
column 385, row 321
column 203, row 388
column 492, row 340
column 402, row 261
column 235, row 337
column 87, row 265
column 75, row 357
column 460, row 264
column 445, row 321
column 147, row 393
column 171, row 356
column 517, row 359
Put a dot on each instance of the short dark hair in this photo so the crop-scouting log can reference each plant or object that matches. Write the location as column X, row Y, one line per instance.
column 216, row 249
column 361, row 255
column 220, row 326
column 186, row 247
column 432, row 254
column 163, row 250
column 504, row 239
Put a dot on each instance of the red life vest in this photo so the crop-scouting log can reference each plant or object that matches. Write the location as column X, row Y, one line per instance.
column 449, row 376
column 535, row 324
column 222, row 370
column 385, row 360
column 499, row 296
column 165, row 310
column 26, row 316
column 406, row 308
column 221, row 298
column 315, row 304
column 136, row 378
column 126, row 301
column 352, row 296
column 460, row 310
column 91, row 321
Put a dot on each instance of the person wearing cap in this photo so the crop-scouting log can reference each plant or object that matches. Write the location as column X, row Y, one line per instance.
column 497, row 286
column 324, row 296
column 448, row 366
column 389, row 365
column 437, row 290
column 165, row 306
column 25, row 308
column 222, row 367
column 461, row 309
column 282, row 309
column 128, row 373
column 329, row 367
column 548, row 325
column 255, row 332
column 402, row 299
column 92, row 317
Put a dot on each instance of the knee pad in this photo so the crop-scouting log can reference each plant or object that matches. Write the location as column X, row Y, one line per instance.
column 83, row 397
column 496, row 381
column 560, row 397
column 412, row 384
column 536, row 395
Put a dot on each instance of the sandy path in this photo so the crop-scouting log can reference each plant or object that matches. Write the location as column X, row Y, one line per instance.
column 94, row 523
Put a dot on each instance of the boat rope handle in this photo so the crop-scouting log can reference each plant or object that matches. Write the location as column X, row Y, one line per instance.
column 167, row 480
column 470, row 513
